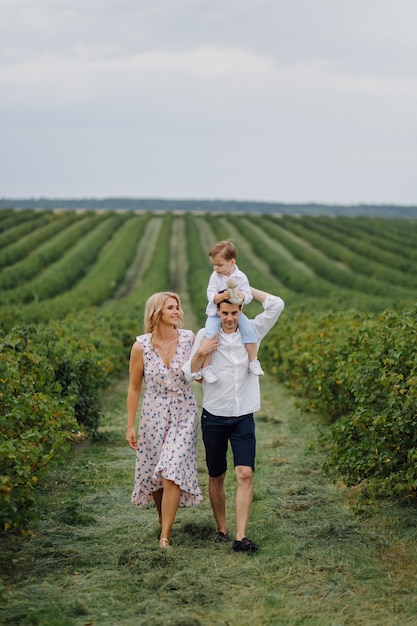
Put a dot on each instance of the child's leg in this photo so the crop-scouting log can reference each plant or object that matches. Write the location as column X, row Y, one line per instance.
column 252, row 350
column 212, row 327
column 249, row 337
column 250, row 340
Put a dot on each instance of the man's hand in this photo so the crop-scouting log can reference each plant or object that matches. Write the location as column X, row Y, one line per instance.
column 259, row 295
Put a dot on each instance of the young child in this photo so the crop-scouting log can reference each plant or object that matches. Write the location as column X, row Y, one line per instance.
column 223, row 258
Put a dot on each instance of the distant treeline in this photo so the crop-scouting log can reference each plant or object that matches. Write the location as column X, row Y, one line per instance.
column 210, row 206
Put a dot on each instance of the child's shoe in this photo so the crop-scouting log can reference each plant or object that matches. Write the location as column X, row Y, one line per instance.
column 208, row 374
column 255, row 368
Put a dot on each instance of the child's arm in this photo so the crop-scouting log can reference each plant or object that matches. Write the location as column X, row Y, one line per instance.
column 213, row 288
column 244, row 287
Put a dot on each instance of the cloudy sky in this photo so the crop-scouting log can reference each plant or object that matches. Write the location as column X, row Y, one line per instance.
column 276, row 100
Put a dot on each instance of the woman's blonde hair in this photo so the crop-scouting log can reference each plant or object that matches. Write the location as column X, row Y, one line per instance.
column 153, row 310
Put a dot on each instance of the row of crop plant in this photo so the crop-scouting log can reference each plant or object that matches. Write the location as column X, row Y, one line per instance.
column 318, row 257
column 339, row 278
column 324, row 271
column 360, row 254
column 295, row 265
column 19, row 225
column 397, row 236
column 18, row 250
column 11, row 219
column 99, row 261
column 358, row 369
column 61, row 236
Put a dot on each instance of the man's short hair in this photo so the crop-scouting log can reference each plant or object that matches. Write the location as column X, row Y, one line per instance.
column 227, row 302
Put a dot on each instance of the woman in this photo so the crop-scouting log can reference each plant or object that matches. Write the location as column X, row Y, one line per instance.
column 166, row 458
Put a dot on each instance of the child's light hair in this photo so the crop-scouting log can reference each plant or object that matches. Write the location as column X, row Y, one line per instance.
column 153, row 310
column 225, row 249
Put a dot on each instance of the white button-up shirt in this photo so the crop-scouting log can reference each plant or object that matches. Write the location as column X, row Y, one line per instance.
column 218, row 283
column 236, row 392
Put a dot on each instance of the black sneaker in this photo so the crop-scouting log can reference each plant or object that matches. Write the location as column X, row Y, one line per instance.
column 246, row 545
column 220, row 537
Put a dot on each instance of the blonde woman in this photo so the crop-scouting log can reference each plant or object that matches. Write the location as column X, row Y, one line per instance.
column 166, row 444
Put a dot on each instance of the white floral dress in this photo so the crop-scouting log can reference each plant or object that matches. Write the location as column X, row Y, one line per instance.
column 167, row 438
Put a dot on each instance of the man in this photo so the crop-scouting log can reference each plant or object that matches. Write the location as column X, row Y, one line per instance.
column 228, row 408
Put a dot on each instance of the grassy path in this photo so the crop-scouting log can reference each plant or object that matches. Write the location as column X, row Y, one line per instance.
column 179, row 270
column 94, row 559
column 144, row 252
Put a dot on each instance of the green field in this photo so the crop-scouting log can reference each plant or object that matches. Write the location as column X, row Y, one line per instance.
column 339, row 404
column 52, row 263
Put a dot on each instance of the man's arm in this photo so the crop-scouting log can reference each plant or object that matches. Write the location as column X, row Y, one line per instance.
column 201, row 348
column 259, row 295
column 273, row 307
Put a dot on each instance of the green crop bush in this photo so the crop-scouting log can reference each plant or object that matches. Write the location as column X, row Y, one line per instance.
column 35, row 423
column 360, row 372
column 309, row 353
column 51, row 380
column 377, row 442
column 85, row 353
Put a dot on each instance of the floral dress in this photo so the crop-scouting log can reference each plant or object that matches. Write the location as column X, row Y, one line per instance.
column 167, row 439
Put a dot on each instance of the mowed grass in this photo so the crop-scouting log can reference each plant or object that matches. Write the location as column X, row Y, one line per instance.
column 95, row 559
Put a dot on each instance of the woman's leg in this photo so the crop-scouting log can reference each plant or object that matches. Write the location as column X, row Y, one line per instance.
column 169, row 506
column 157, row 496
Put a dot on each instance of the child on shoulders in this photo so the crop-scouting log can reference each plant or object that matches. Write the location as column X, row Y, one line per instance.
column 223, row 258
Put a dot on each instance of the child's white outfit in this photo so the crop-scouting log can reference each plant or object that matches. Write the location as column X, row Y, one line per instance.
column 217, row 284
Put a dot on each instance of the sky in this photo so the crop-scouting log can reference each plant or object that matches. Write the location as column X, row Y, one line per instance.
column 265, row 100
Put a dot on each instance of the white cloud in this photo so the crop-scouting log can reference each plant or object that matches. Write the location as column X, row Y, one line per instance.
column 237, row 88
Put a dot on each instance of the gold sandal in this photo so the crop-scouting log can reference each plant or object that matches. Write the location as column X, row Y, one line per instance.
column 164, row 543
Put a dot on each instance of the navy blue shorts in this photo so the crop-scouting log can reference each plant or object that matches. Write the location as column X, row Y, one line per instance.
column 217, row 431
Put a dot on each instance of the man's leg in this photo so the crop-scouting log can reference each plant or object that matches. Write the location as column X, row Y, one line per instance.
column 218, row 501
column 215, row 437
column 244, row 497
column 243, row 443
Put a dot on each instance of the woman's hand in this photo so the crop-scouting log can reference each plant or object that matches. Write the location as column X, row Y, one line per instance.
column 208, row 345
column 131, row 438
